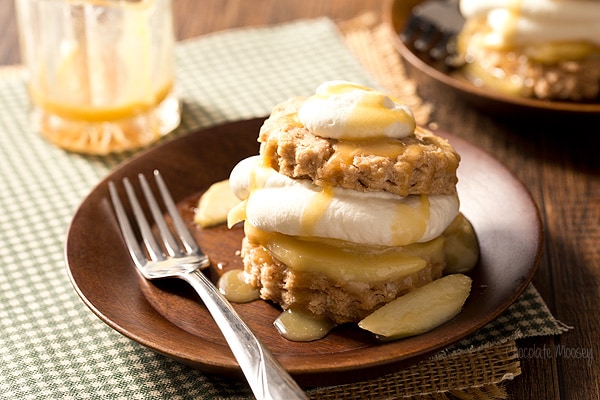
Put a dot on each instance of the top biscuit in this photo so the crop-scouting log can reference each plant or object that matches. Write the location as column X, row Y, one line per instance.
column 422, row 163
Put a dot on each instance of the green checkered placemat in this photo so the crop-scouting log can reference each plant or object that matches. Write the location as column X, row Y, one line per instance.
column 51, row 345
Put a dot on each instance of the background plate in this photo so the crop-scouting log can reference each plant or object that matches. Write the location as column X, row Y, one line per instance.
column 396, row 14
column 168, row 317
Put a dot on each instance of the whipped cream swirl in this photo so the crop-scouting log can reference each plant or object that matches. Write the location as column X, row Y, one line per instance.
column 277, row 203
column 346, row 110
column 520, row 22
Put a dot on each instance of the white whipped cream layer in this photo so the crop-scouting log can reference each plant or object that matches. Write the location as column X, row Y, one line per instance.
column 346, row 110
column 520, row 22
column 275, row 202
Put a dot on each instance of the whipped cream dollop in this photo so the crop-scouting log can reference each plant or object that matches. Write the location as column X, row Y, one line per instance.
column 277, row 203
column 520, row 22
column 346, row 110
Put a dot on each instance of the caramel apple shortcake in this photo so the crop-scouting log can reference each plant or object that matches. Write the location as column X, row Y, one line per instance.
column 544, row 49
column 348, row 204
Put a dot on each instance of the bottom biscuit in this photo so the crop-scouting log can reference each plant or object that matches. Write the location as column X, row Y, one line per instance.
column 339, row 301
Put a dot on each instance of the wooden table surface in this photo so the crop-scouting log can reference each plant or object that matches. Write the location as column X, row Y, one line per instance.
column 554, row 155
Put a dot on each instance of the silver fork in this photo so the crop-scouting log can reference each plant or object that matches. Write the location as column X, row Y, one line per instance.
column 431, row 31
column 266, row 377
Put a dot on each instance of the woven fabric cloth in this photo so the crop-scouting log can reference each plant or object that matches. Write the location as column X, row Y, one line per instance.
column 53, row 347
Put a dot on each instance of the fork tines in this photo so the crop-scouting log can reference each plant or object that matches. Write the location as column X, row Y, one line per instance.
column 170, row 245
column 432, row 29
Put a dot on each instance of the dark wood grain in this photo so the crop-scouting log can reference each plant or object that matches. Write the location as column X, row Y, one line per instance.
column 554, row 155
column 9, row 46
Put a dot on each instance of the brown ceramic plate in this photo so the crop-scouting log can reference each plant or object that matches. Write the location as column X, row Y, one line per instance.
column 396, row 14
column 168, row 317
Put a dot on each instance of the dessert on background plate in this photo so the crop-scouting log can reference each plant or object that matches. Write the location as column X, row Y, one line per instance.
column 351, row 215
column 543, row 49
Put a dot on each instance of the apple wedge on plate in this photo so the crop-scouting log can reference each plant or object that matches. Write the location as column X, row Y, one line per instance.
column 421, row 309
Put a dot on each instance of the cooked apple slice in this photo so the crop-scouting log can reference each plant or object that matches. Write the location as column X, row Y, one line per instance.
column 214, row 204
column 421, row 309
column 461, row 249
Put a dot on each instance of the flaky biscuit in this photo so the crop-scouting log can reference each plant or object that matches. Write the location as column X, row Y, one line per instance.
column 426, row 165
column 570, row 80
column 340, row 301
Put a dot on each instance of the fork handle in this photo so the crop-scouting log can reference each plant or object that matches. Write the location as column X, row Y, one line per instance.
column 265, row 375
